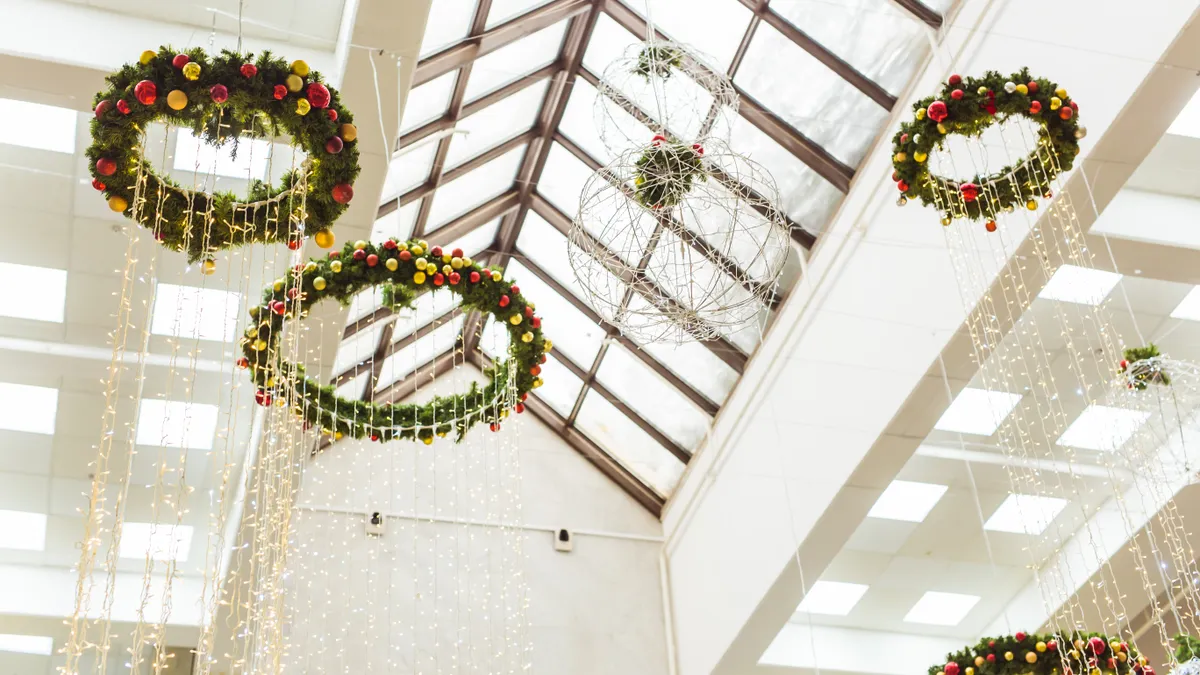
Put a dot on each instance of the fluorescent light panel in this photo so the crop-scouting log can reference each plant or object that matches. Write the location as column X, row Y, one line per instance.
column 22, row 530
column 1025, row 514
column 907, row 500
column 163, row 541
column 176, row 424
column 195, row 313
column 832, row 597
column 37, row 126
column 978, row 411
column 194, row 155
column 1100, row 427
column 28, row 408
column 941, row 609
column 1080, row 285
column 42, row 296
column 1189, row 308
column 39, row 645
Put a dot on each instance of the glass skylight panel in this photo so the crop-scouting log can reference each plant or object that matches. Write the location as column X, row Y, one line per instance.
column 39, row 645
column 563, row 179
column 835, row 598
column 579, row 122
column 426, row 308
column 881, row 40
column 466, row 192
column 1104, row 428
column 358, row 347
column 978, row 411
column 570, row 329
column 427, row 102
column 408, row 169
column 561, row 387
column 1188, row 309
column 195, row 313
column 494, row 340
column 941, row 609
column 627, row 443
column 22, row 530
column 1080, row 285
column 246, row 159
column 809, row 96
column 496, row 123
column 176, row 424
column 477, row 240
column 503, row 10
column 449, row 23
column 516, row 60
column 364, row 304
column 398, row 223
column 160, row 541
column 546, row 247
column 1025, row 514
column 353, row 388
column 37, row 126
column 43, row 295
column 608, row 43
column 652, row 397
column 429, row 346
column 714, row 27
column 907, row 501
column 28, row 408
column 691, row 361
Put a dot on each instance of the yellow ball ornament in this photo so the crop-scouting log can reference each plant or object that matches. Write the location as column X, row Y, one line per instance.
column 979, row 661
column 899, row 157
column 421, row 264
column 537, row 383
column 300, row 68
column 208, row 268
column 1055, row 103
column 177, row 100
column 147, row 56
column 419, row 278
column 942, row 129
column 416, row 250
column 970, row 670
column 1122, row 657
column 547, row 346
column 921, row 114
column 1030, row 657
column 117, row 203
column 527, row 337
column 303, row 106
column 391, row 264
column 920, row 157
column 441, row 434
column 192, row 71
column 1060, row 92
column 310, row 266
column 336, row 266
column 349, row 132
column 422, row 243
column 447, row 258
column 1031, row 205
column 1008, row 656
column 278, row 285
column 360, row 245
column 456, row 263
column 1116, row 645
column 1074, row 654
column 515, row 319
column 428, row 440
column 294, row 83
column 258, row 345
column 319, row 283
column 467, row 261
column 1041, row 646
column 324, row 239
column 401, row 246
column 337, row 435
column 496, row 275
column 446, row 269
column 1023, row 89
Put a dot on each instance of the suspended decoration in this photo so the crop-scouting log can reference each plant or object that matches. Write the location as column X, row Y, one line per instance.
column 230, row 96
column 404, row 269
column 1144, row 366
column 677, row 92
column 1187, row 655
column 675, row 242
column 968, row 106
column 1024, row 653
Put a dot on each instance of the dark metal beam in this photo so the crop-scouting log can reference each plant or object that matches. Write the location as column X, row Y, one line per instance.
column 382, row 350
column 430, row 186
column 423, row 375
column 922, row 12
column 473, row 219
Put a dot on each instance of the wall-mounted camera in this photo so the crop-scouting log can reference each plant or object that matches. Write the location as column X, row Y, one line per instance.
column 376, row 523
column 563, row 540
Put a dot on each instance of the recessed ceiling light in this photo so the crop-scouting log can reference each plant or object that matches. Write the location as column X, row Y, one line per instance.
column 941, row 609
column 33, row 125
column 831, row 597
column 23, row 530
column 176, row 424
column 1100, row 427
column 27, row 644
column 1080, row 285
column 161, row 541
column 906, row 500
column 43, row 292
column 1187, row 123
column 196, row 313
column 1025, row 514
column 197, row 156
column 977, row 411
column 27, row 408
column 1189, row 308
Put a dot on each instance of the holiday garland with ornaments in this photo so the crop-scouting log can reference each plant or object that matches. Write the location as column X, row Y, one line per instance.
column 665, row 172
column 405, row 270
column 967, row 106
column 1142, row 367
column 1027, row 654
column 221, row 99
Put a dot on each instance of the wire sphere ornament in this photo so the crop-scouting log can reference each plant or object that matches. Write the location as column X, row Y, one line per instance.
column 1163, row 396
column 677, row 242
column 676, row 91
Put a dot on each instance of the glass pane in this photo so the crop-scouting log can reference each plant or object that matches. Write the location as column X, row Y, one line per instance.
column 364, row 304
column 691, row 361
column 464, row 193
column 408, row 169
column 503, row 10
column 430, row 346
column 570, row 329
column 515, row 60
column 427, row 102
column 625, row 441
column 476, row 241
column 563, row 179
column 608, row 43
column 741, row 235
column 560, row 388
column 941, row 6
column 398, row 223
column 881, row 40
column 426, row 308
column 579, row 122
column 811, row 97
column 546, row 247
column 449, row 22
column 714, row 27
column 494, row 339
column 33, row 125
column 358, row 347
column 652, row 397
column 352, row 389
column 496, row 123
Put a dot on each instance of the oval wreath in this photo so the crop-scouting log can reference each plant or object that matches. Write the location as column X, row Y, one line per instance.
column 405, row 270
column 229, row 96
column 967, row 106
column 1026, row 654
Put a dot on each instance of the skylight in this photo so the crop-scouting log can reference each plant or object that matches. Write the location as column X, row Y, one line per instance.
column 1025, row 514
column 1188, row 121
column 161, row 541
column 194, row 155
column 907, row 500
column 1104, row 428
column 22, row 530
column 43, row 295
column 1189, row 308
column 176, row 424
column 1080, row 285
column 195, row 313
column 33, row 125
column 40, row 645
column 28, row 408
column 978, row 411
column 836, row 598
column 941, row 609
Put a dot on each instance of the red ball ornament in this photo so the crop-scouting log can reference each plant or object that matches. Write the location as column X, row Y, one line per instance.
column 525, row 396
column 1033, row 86
column 374, row 437
column 180, row 60
column 280, row 92
column 360, row 254
column 249, row 70
column 405, row 255
column 1097, row 645
column 102, row 107
column 438, row 279
column 243, row 362
column 1066, row 113
column 105, row 166
column 219, row 93
column 951, row 668
column 903, row 138
column 318, row 95
column 991, row 658
column 390, row 244
column 332, row 114
column 1074, row 106
column 343, row 193
column 334, row 145
column 455, row 277
column 1052, row 645
column 146, row 92
column 895, row 177
column 262, row 398
column 991, row 226
column 504, row 301
column 294, row 244
column 536, row 322
column 541, row 360
column 293, row 293
column 1035, row 107
column 457, row 253
column 937, row 111
column 123, row 107
column 494, row 426
column 955, row 80
column 474, row 277
column 520, row 407
column 902, row 186
column 992, row 644
column 535, row 370
column 1020, row 636
column 1112, row 664
column 278, row 307
column 957, row 94
column 98, row 185
column 970, row 192
column 528, row 312
column 334, row 254
column 436, row 251
column 515, row 289
column 372, row 260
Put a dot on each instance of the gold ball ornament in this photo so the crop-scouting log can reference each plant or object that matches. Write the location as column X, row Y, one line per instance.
column 177, row 100
column 336, row 266
column 348, row 132
column 310, row 266
column 147, row 56
column 192, row 71
column 970, row 670
column 300, row 68
column 946, row 220
column 496, row 275
column 515, row 319
column 1095, row 671
column 899, row 157
column 1055, row 103
column 303, row 106
column 1031, row 205
column 537, row 382
column 942, row 128
column 920, row 157
column 319, row 283
column 208, row 267
column 1030, row 657
column 278, row 285
column 337, row 435
column 527, row 337
column 921, row 114
column 421, row 264
column 324, row 239
column 1023, row 89
column 456, row 263
column 1008, row 656
column 1122, row 657
column 419, row 278
column 117, row 203
column 294, row 83
column 258, row 345
column 1060, row 92
column 979, row 661
column 1074, row 654
column 428, row 440
column 391, row 264
column 441, row 434
column 1142, row 661
column 547, row 346
column 1041, row 646
column 901, row 201
column 360, row 245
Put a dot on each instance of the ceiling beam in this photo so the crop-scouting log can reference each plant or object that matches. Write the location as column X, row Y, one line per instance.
column 439, row 366
column 922, row 12
column 438, row 177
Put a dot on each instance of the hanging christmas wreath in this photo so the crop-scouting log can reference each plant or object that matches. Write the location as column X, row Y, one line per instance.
column 222, row 98
column 1025, row 654
column 666, row 171
column 968, row 106
column 405, row 270
column 657, row 59
column 1143, row 366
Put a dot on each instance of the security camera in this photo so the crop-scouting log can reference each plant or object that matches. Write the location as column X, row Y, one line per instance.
column 564, row 541
column 375, row 523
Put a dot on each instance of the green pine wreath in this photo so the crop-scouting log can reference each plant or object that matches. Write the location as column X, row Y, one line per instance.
column 405, row 270
column 226, row 97
column 968, row 106
column 665, row 172
column 1071, row 653
column 1147, row 367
